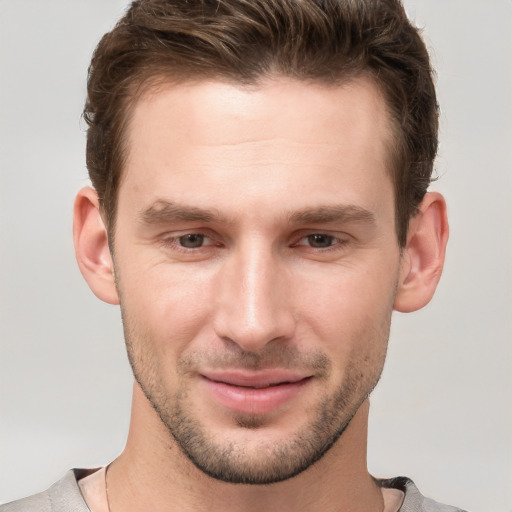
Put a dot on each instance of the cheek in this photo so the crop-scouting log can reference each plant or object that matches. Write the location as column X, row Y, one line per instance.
column 164, row 306
column 350, row 312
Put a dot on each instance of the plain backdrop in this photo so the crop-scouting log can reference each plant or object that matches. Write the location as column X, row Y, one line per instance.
column 443, row 412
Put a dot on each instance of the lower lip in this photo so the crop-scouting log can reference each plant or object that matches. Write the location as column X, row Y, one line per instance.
column 253, row 400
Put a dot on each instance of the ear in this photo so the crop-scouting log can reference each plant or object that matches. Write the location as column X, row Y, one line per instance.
column 91, row 246
column 423, row 256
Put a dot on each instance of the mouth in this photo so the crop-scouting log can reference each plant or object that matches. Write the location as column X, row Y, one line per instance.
column 256, row 392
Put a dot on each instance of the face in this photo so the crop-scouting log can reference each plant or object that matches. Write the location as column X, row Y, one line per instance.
column 257, row 262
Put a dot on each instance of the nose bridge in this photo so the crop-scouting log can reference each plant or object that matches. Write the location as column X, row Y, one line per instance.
column 252, row 308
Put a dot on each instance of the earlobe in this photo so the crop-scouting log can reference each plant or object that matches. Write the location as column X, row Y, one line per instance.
column 423, row 256
column 91, row 246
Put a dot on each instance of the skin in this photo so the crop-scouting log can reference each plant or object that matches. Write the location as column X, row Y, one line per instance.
column 255, row 230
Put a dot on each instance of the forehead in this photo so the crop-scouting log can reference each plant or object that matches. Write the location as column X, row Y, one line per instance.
column 282, row 132
column 271, row 108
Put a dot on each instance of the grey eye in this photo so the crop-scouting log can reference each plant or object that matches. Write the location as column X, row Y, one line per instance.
column 191, row 241
column 320, row 241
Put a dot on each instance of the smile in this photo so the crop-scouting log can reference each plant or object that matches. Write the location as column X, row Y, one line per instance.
column 253, row 393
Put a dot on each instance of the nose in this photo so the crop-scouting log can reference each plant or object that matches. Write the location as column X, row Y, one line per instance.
column 253, row 303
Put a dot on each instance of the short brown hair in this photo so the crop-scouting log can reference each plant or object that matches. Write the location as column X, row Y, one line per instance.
column 327, row 41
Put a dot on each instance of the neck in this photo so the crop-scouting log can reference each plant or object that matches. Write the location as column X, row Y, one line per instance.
column 153, row 474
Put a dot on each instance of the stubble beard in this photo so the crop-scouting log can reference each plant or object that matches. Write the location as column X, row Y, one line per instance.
column 270, row 462
column 273, row 462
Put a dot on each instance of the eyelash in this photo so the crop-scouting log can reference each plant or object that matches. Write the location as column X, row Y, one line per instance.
column 173, row 242
column 336, row 242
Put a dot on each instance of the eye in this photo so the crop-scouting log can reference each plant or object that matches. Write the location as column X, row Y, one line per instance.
column 319, row 241
column 323, row 244
column 192, row 240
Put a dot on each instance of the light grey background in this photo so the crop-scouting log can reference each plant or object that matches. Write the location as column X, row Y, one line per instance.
column 442, row 414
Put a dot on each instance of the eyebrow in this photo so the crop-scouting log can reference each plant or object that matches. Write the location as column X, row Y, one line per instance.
column 165, row 212
column 335, row 213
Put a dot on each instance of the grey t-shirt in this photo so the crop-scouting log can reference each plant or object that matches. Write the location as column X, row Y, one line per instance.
column 65, row 496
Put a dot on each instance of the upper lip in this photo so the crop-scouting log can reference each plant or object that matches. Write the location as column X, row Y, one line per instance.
column 254, row 379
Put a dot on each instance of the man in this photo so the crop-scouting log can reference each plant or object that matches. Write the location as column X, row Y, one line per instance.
column 260, row 207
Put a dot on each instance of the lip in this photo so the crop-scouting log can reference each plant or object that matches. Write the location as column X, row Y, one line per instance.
column 256, row 392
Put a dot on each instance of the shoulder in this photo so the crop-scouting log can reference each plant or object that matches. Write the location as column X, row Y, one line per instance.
column 63, row 496
column 414, row 501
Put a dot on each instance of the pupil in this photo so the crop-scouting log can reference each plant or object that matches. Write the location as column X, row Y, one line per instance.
column 191, row 241
column 320, row 240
